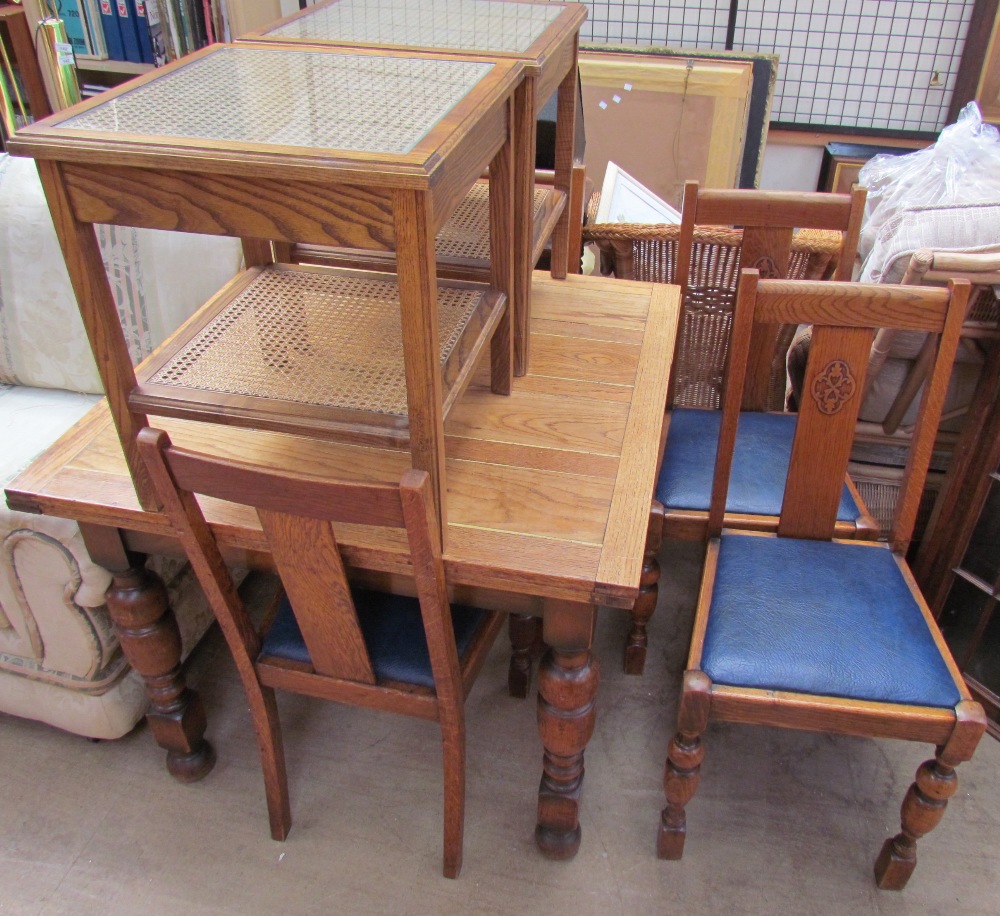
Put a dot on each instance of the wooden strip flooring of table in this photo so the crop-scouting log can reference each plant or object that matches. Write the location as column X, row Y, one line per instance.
column 548, row 489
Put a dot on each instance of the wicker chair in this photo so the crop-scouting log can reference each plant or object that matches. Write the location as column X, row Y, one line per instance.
column 633, row 251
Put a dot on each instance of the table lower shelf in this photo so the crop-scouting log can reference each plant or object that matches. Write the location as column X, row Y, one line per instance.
column 463, row 243
column 313, row 351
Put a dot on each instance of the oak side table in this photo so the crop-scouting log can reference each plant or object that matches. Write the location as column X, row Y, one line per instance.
column 544, row 37
column 363, row 149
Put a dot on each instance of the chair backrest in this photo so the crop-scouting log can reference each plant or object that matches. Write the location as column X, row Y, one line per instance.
column 296, row 513
column 773, row 224
column 845, row 318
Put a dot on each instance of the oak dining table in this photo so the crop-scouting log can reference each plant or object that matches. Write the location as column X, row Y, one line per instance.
column 549, row 492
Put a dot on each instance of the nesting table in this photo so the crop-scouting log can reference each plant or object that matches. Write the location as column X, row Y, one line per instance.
column 362, row 149
column 544, row 36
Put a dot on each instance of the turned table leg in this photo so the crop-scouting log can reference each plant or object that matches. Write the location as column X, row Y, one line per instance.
column 146, row 626
column 567, row 693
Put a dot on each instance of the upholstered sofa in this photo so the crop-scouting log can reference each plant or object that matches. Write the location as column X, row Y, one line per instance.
column 60, row 661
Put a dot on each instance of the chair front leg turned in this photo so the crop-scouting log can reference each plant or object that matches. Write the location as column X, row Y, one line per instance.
column 525, row 645
column 683, row 767
column 925, row 801
column 649, row 589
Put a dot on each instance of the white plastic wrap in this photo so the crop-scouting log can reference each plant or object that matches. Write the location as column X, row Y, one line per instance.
column 960, row 170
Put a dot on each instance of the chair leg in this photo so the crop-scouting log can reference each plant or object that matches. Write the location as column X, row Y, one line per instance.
column 525, row 636
column 922, row 810
column 267, row 726
column 682, row 771
column 645, row 604
column 927, row 798
column 453, row 755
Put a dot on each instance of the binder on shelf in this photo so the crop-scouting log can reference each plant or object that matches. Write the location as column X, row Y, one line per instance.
column 91, row 10
column 130, row 35
column 76, row 27
column 189, row 24
column 143, row 29
column 208, row 20
column 112, row 31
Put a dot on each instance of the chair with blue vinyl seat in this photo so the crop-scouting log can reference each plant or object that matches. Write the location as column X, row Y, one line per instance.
column 797, row 629
column 770, row 224
column 414, row 656
column 763, row 442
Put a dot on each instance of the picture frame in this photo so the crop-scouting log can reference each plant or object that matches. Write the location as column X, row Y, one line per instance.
column 764, row 70
column 624, row 199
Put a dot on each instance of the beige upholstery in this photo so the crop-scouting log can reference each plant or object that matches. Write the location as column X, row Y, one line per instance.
column 60, row 661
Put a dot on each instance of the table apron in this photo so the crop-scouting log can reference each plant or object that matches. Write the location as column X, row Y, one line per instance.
column 518, row 594
column 552, row 74
column 466, row 161
column 341, row 215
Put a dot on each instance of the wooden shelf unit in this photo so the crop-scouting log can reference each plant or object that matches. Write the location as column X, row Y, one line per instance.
column 17, row 42
column 958, row 566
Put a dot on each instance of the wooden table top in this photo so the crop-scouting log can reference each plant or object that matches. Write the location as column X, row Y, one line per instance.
column 548, row 490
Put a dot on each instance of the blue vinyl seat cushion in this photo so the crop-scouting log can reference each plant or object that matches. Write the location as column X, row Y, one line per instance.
column 821, row 618
column 760, row 463
column 393, row 631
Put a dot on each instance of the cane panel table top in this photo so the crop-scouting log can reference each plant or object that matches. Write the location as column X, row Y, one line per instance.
column 238, row 104
column 301, row 98
column 529, row 31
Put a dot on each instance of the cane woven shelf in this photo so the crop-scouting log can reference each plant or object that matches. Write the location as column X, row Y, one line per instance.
column 310, row 350
column 462, row 244
column 453, row 25
column 649, row 253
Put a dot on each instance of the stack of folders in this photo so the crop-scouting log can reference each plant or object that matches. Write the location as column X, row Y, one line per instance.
column 139, row 31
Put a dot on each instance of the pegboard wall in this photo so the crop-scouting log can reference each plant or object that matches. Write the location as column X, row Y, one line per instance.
column 851, row 64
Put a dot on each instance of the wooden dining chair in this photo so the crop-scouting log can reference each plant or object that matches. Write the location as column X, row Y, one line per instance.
column 796, row 235
column 770, row 223
column 414, row 656
column 797, row 629
column 768, row 220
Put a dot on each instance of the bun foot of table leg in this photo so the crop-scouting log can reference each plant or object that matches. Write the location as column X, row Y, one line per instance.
column 191, row 767
column 558, row 845
column 180, row 731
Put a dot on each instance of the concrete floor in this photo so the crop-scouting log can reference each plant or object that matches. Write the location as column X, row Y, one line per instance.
column 785, row 822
